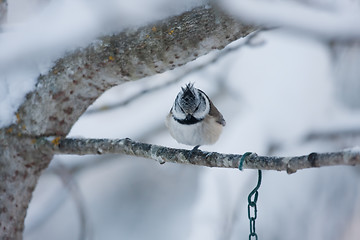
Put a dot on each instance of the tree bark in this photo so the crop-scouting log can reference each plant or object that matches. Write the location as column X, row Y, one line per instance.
column 80, row 77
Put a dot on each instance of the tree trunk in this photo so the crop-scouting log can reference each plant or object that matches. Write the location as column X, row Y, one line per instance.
column 20, row 167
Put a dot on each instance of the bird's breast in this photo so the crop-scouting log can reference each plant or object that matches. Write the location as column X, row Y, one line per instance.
column 204, row 132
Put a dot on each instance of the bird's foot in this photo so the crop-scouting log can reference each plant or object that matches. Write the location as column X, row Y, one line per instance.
column 196, row 148
column 193, row 151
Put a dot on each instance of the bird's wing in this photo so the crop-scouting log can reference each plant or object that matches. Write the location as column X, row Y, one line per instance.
column 216, row 114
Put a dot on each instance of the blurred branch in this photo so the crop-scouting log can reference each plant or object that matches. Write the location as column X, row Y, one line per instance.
column 346, row 73
column 329, row 22
column 235, row 213
column 336, row 137
column 58, row 198
column 3, row 12
column 70, row 183
column 48, row 209
column 249, row 41
column 201, row 158
column 333, row 135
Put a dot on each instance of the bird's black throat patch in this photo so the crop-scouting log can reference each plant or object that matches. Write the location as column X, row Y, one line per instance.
column 189, row 120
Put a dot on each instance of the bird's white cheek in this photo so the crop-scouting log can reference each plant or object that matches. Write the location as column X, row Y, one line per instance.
column 178, row 114
column 202, row 114
column 199, row 115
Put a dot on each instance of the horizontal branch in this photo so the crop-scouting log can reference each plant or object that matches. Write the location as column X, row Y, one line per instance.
column 202, row 158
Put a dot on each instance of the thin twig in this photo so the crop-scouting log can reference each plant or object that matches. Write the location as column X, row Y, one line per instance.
column 48, row 209
column 59, row 198
column 70, row 183
column 202, row 158
column 336, row 134
column 3, row 12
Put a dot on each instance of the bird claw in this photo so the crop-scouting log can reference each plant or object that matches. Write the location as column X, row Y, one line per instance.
column 194, row 150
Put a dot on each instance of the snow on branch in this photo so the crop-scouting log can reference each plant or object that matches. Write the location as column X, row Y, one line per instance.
column 210, row 159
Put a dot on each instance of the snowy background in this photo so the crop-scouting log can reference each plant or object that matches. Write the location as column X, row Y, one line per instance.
column 278, row 98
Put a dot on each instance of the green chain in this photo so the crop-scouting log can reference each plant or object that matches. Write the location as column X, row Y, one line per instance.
column 252, row 203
